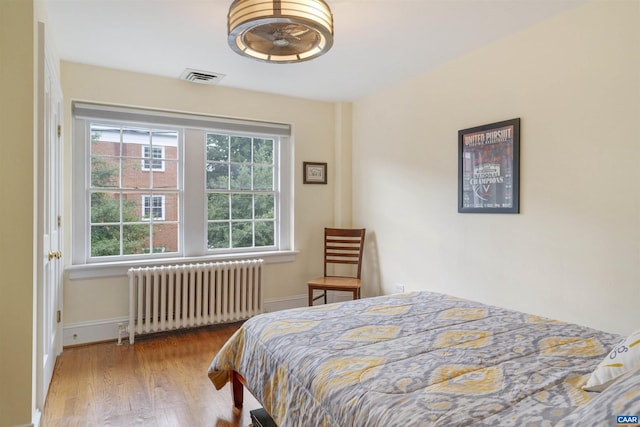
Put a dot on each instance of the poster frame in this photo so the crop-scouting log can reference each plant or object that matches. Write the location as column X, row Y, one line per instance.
column 314, row 172
column 502, row 140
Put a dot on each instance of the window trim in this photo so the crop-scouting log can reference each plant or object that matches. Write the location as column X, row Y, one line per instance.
column 84, row 113
column 85, row 110
column 120, row 268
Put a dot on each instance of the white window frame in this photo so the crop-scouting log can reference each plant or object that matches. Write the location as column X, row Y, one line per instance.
column 192, row 207
column 230, row 191
column 151, row 198
column 149, row 160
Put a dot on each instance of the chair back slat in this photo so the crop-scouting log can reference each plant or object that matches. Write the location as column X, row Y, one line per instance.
column 344, row 246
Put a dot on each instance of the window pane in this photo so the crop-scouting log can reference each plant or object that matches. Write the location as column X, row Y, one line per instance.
column 167, row 178
column 263, row 177
column 168, row 141
column 263, row 151
column 217, row 147
column 133, row 139
column 171, row 207
column 240, row 149
column 105, row 140
column 105, row 151
column 132, row 208
column 105, row 172
column 165, row 238
column 265, row 233
column 105, row 240
column 218, row 206
column 218, row 235
column 242, row 234
column 240, row 177
column 135, row 239
column 217, row 176
column 241, row 206
column 133, row 175
column 105, row 207
column 265, row 206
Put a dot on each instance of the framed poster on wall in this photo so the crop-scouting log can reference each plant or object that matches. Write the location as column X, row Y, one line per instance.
column 489, row 168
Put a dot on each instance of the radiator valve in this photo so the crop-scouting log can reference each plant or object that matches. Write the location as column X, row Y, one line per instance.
column 121, row 329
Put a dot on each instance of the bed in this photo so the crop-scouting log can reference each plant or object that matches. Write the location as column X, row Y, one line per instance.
column 418, row 359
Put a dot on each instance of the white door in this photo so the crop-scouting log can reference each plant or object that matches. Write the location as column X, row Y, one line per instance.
column 49, row 326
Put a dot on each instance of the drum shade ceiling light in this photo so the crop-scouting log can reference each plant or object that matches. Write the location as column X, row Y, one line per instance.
column 282, row 31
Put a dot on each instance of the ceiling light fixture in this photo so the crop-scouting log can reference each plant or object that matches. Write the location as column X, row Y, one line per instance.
column 281, row 31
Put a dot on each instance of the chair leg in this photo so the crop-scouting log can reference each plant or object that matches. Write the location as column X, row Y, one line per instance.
column 310, row 297
column 325, row 296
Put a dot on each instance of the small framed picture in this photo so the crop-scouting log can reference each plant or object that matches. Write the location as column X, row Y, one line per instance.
column 314, row 172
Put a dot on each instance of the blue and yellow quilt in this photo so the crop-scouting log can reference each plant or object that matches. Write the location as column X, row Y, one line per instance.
column 416, row 359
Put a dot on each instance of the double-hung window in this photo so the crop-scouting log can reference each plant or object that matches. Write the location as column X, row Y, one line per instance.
column 131, row 210
column 241, row 200
column 156, row 185
column 153, row 207
column 152, row 158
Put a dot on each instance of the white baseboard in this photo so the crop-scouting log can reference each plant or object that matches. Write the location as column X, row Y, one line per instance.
column 277, row 304
column 35, row 419
column 107, row 329
column 94, row 331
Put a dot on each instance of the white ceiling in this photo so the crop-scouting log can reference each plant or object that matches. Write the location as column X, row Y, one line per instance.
column 376, row 43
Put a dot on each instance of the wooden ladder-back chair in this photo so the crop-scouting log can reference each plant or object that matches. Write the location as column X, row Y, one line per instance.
column 341, row 246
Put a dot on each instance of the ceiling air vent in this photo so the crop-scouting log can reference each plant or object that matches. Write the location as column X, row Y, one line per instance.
column 198, row 76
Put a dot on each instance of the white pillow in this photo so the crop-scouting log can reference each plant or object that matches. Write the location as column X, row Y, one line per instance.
column 624, row 357
column 622, row 398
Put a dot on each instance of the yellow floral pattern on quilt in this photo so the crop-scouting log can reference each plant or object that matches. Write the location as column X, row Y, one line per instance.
column 418, row 359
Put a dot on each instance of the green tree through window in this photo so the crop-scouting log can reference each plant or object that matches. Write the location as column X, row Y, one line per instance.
column 140, row 191
column 105, row 209
column 240, row 191
column 123, row 194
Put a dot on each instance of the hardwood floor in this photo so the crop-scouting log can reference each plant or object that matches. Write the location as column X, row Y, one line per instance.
column 161, row 380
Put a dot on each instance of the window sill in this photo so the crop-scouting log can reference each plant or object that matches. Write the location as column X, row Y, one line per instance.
column 114, row 269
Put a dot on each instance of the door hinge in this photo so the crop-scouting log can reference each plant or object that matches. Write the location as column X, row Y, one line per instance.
column 59, row 221
column 59, row 316
column 59, row 131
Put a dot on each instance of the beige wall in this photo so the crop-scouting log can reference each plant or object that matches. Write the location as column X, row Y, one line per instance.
column 314, row 132
column 17, row 118
column 573, row 252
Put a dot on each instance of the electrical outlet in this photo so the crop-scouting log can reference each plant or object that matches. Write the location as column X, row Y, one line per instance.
column 399, row 288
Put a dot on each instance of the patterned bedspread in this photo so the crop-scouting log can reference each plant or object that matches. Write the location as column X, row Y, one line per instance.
column 417, row 359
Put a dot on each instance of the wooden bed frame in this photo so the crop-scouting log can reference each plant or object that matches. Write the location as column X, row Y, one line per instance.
column 237, row 385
